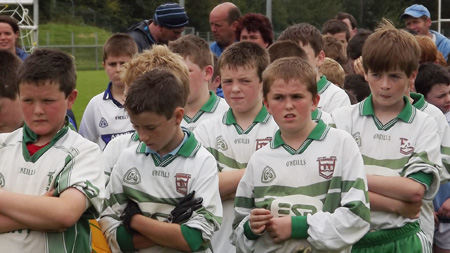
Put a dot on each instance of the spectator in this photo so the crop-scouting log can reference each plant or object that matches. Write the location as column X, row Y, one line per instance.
column 349, row 20
column 223, row 20
column 256, row 28
column 9, row 33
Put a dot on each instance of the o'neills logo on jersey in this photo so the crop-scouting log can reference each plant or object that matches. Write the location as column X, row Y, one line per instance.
column 182, row 181
column 103, row 123
column 132, row 177
column 405, row 146
column 262, row 142
column 357, row 137
column 2, row 180
column 221, row 144
column 268, row 175
column 326, row 166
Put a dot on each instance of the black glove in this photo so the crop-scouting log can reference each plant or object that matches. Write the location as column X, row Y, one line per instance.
column 184, row 209
column 131, row 210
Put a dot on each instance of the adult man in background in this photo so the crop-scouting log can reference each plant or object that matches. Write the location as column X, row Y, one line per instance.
column 349, row 20
column 167, row 24
column 223, row 20
column 417, row 18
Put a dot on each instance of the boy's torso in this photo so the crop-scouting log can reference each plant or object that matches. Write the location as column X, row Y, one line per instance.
column 214, row 107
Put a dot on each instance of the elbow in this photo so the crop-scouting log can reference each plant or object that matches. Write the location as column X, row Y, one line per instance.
column 65, row 220
column 417, row 193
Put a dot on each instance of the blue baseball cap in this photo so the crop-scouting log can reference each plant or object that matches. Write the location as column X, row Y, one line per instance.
column 416, row 11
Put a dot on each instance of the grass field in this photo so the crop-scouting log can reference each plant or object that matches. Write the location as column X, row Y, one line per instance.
column 89, row 84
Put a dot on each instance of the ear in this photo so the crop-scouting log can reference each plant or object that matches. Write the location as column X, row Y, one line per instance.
column 315, row 102
column 412, row 79
column 235, row 24
column 266, row 103
column 178, row 114
column 320, row 58
column 215, row 83
column 71, row 98
column 209, row 70
column 104, row 65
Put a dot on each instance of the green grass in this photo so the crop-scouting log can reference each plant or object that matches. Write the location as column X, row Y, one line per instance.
column 89, row 84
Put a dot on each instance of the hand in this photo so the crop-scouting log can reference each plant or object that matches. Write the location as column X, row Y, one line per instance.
column 184, row 209
column 410, row 210
column 444, row 210
column 259, row 219
column 280, row 229
column 358, row 67
column 131, row 209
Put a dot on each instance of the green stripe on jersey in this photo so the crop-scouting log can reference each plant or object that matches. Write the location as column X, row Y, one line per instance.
column 75, row 239
column 227, row 161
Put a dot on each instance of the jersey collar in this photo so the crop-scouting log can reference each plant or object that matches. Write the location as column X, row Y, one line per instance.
column 418, row 101
column 108, row 95
column 406, row 115
column 262, row 117
column 322, row 84
column 210, row 106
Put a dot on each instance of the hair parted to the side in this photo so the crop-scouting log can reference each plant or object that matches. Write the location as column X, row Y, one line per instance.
column 159, row 56
column 285, row 48
column 194, row 47
column 430, row 74
column 256, row 22
column 49, row 65
column 304, row 33
column 390, row 49
column 245, row 54
column 158, row 91
column 290, row 68
column 119, row 44
column 9, row 64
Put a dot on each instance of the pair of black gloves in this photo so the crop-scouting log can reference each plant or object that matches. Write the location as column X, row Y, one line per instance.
column 182, row 211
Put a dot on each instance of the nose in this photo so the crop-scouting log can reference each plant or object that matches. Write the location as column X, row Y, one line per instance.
column 384, row 83
column 38, row 109
column 235, row 87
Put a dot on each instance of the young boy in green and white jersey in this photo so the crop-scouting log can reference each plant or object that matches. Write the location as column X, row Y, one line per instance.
column 399, row 144
column 202, row 104
column 307, row 189
column 50, row 177
column 310, row 40
column 246, row 127
column 149, row 181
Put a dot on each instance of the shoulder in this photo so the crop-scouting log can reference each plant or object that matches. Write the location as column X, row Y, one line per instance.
column 74, row 140
column 12, row 137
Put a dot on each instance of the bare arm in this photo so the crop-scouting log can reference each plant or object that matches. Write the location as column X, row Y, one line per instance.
column 7, row 224
column 142, row 242
column 228, row 182
column 409, row 210
column 400, row 188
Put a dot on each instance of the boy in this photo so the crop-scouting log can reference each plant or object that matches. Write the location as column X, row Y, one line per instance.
column 399, row 145
column 201, row 104
column 10, row 114
column 51, row 177
column 246, row 127
column 310, row 39
column 333, row 71
column 176, row 165
column 104, row 117
column 292, row 188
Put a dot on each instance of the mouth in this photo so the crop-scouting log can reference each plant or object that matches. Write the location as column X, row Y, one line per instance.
column 289, row 116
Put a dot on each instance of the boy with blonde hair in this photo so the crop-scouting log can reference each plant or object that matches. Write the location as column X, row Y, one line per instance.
column 201, row 104
column 399, row 144
column 104, row 117
column 333, row 71
column 246, row 127
column 291, row 196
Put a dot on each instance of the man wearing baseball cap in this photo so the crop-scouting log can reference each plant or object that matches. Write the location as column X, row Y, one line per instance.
column 167, row 24
column 417, row 18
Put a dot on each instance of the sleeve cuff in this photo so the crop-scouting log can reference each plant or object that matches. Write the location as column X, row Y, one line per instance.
column 422, row 177
column 124, row 239
column 299, row 227
column 248, row 231
column 192, row 236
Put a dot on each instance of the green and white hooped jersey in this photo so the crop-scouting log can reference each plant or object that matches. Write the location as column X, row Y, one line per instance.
column 331, row 96
column 213, row 107
column 405, row 146
column 157, row 185
column 67, row 161
column 324, row 181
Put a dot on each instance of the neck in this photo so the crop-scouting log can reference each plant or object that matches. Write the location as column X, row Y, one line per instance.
column 296, row 139
column 193, row 107
column 154, row 31
column 177, row 139
column 245, row 119
column 118, row 93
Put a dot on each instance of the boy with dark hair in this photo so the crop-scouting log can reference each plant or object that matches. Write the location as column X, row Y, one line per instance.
column 246, row 127
column 10, row 114
column 310, row 39
column 177, row 166
column 355, row 46
column 104, row 117
column 287, row 200
column 51, row 178
column 433, row 81
column 201, row 103
column 399, row 144
column 357, row 85
column 337, row 29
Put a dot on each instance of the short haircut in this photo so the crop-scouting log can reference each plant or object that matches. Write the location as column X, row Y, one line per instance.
column 233, row 14
column 291, row 68
column 285, row 48
column 430, row 74
column 334, row 49
column 357, row 85
column 334, row 26
column 158, row 57
column 389, row 49
column 342, row 15
column 49, row 65
column 356, row 43
column 305, row 33
column 245, row 54
column 333, row 71
column 194, row 47
column 428, row 49
column 256, row 22
column 9, row 64
column 158, row 91
column 119, row 44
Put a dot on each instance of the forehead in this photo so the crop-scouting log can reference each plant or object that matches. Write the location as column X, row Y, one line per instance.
column 32, row 88
column 5, row 27
column 218, row 15
column 118, row 58
column 247, row 70
column 146, row 118
column 410, row 19
column 282, row 85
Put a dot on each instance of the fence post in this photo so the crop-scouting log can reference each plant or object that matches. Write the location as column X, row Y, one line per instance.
column 72, row 44
column 48, row 39
column 96, row 51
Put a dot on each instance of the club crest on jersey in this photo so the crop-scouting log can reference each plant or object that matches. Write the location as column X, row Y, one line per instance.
column 181, row 181
column 268, row 175
column 132, row 176
column 103, row 123
column 405, row 146
column 357, row 137
column 221, row 144
column 2, row 180
column 262, row 142
column 326, row 166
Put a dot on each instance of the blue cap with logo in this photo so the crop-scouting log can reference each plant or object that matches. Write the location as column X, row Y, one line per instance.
column 171, row 15
column 416, row 11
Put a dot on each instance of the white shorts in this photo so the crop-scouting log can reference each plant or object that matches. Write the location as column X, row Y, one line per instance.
column 442, row 235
